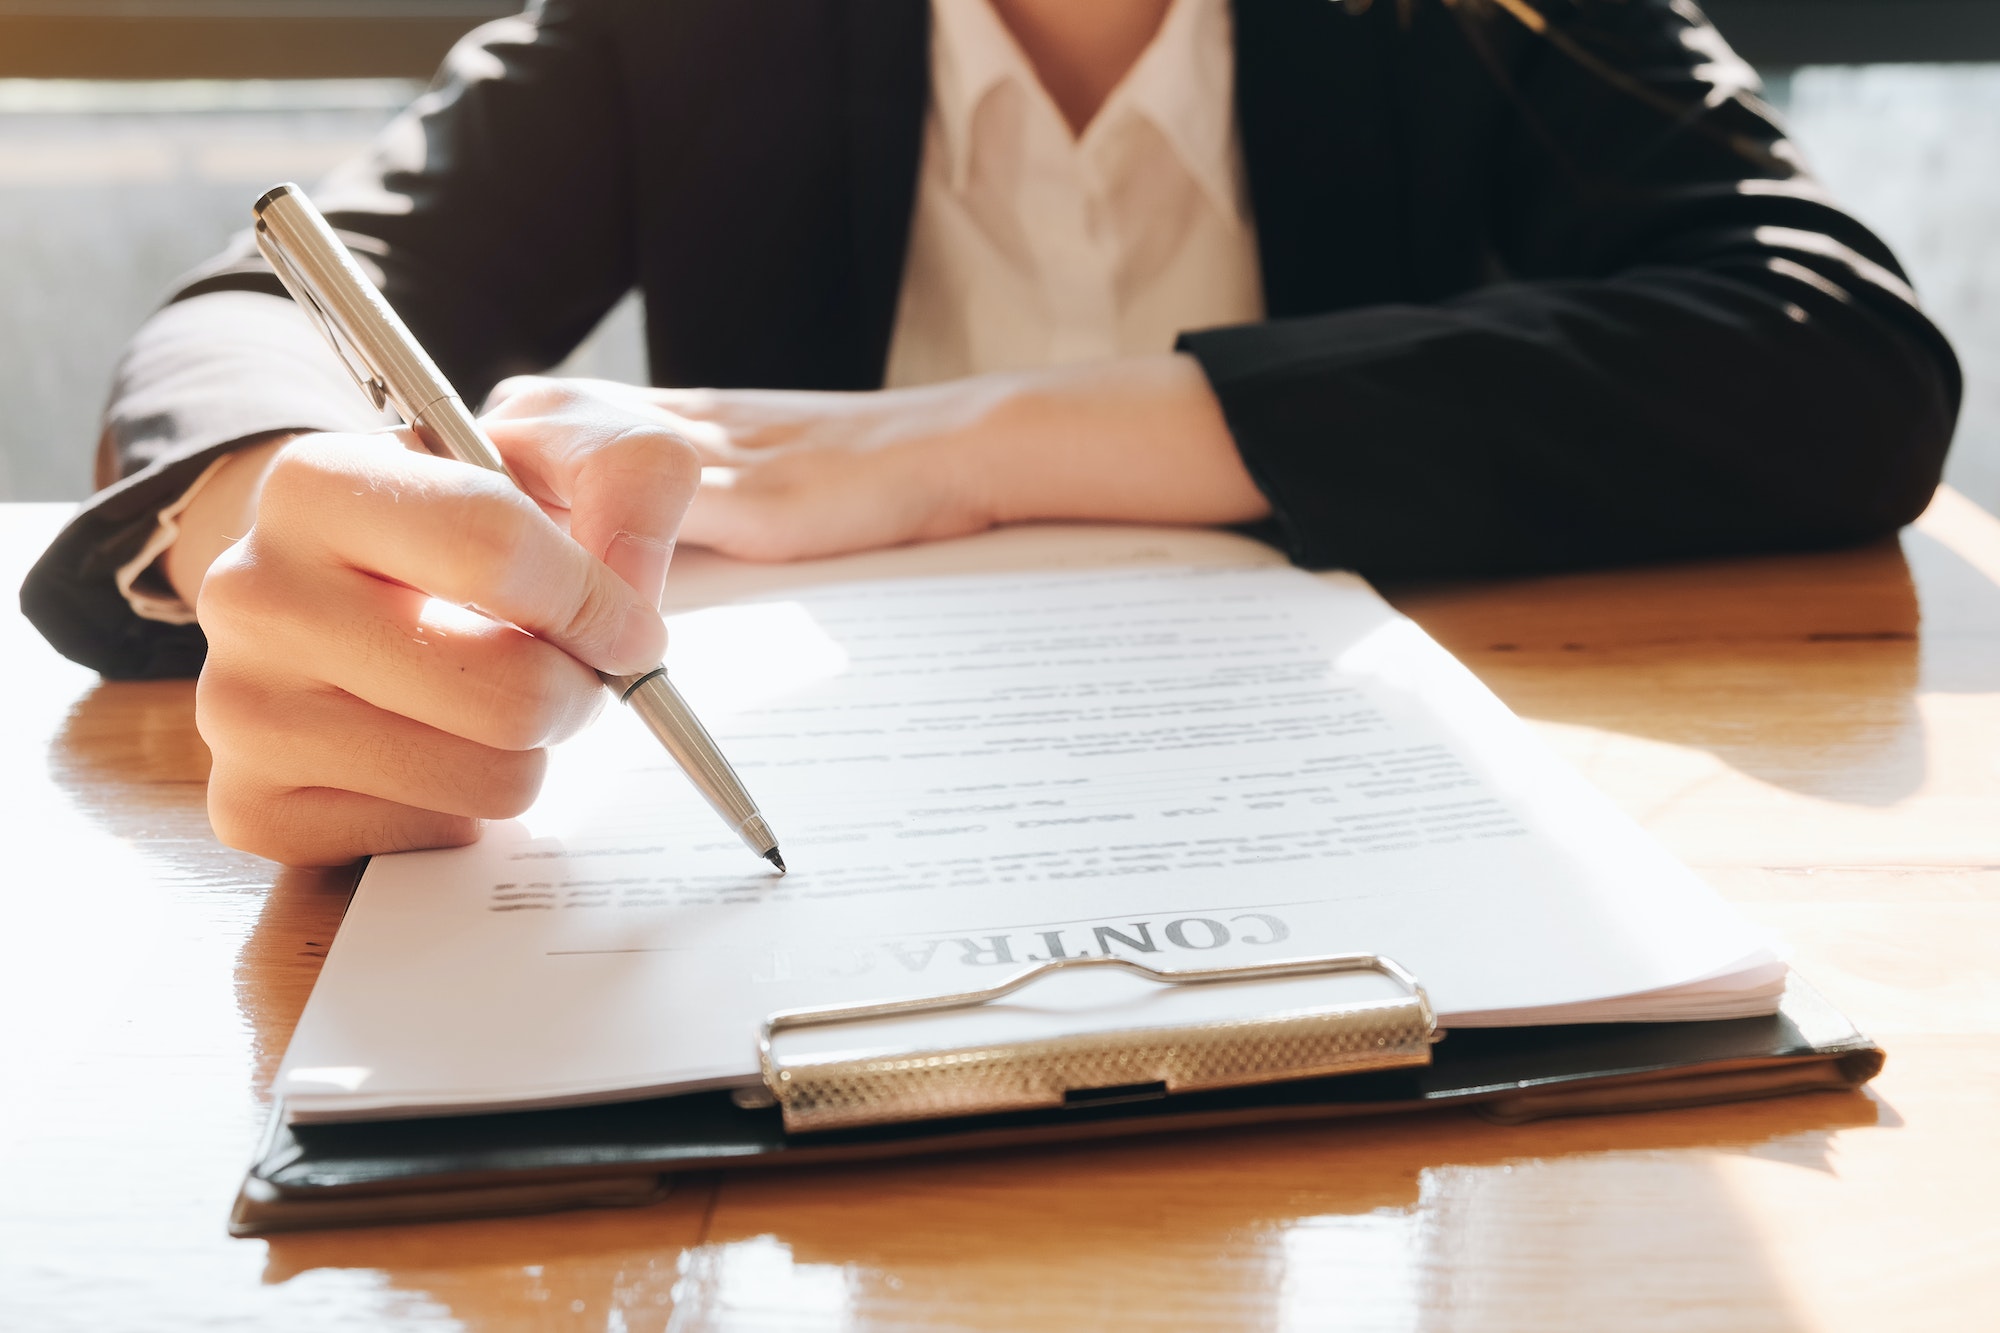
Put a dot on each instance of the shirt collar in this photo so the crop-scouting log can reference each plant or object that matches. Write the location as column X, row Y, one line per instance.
column 1184, row 83
column 972, row 53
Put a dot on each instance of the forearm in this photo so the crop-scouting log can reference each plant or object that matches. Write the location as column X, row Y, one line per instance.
column 1138, row 440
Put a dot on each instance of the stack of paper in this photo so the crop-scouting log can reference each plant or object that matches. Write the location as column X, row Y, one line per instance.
column 1185, row 755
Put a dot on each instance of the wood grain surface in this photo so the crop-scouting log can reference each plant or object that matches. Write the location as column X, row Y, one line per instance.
column 1818, row 735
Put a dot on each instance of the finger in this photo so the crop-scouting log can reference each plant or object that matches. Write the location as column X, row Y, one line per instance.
column 625, row 478
column 407, row 653
column 285, row 736
column 319, row 826
column 460, row 533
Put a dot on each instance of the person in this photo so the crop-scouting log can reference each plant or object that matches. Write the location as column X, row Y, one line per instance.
column 1418, row 287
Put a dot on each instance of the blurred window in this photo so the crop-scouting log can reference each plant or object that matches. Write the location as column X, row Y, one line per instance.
column 1911, row 150
column 108, row 191
column 134, row 133
column 179, row 39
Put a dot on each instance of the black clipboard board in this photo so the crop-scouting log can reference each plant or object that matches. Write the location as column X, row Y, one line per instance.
column 629, row 1153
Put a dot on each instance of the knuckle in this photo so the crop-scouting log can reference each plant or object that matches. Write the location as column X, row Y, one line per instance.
column 227, row 589
column 599, row 613
column 229, row 710
column 264, row 636
column 245, row 594
column 299, row 472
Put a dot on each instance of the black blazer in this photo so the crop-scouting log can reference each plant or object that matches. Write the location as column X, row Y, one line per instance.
column 1533, row 303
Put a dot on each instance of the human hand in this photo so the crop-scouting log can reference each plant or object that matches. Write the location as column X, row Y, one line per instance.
column 796, row 475
column 791, row 475
column 398, row 637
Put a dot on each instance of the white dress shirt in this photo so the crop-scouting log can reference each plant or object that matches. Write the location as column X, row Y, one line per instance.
column 1031, row 246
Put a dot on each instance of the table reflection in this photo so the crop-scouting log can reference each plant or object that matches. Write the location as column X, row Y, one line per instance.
column 1750, row 661
column 1400, row 1223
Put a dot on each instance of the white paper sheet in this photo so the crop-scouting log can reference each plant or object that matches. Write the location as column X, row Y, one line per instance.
column 1193, row 766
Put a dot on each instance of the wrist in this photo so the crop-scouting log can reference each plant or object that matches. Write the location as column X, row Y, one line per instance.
column 219, row 516
column 1138, row 440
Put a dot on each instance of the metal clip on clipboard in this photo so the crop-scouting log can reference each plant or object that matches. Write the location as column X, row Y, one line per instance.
column 845, row 1091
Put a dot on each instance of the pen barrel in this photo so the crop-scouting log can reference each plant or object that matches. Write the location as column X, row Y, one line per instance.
column 448, row 429
column 667, row 715
column 321, row 273
column 324, row 279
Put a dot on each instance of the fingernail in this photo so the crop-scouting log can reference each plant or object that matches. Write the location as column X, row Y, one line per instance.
column 641, row 562
column 642, row 641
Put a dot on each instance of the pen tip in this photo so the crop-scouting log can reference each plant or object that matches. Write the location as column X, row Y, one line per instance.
column 775, row 859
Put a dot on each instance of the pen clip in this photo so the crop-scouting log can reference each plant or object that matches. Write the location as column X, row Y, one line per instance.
column 302, row 293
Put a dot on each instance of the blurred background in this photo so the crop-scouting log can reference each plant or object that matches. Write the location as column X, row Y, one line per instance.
column 135, row 133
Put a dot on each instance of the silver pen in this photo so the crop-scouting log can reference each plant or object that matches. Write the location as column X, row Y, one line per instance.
column 392, row 369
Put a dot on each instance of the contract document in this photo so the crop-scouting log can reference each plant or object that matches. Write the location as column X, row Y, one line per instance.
column 1179, row 752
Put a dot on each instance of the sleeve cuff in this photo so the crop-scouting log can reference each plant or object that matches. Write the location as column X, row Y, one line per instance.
column 205, row 377
column 166, row 608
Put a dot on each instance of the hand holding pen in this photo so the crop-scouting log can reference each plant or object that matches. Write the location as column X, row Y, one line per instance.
column 354, row 700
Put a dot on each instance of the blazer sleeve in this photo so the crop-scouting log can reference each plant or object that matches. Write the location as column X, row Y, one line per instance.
column 494, row 215
column 1690, row 351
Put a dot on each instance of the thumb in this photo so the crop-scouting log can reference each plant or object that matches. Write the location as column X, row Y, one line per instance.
column 624, row 477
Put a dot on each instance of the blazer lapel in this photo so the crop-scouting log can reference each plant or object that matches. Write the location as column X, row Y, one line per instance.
column 887, row 86
column 1315, row 97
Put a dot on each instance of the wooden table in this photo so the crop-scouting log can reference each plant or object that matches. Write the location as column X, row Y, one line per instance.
column 1819, row 736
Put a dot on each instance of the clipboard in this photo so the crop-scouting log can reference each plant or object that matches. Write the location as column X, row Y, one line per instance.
column 1327, row 1061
